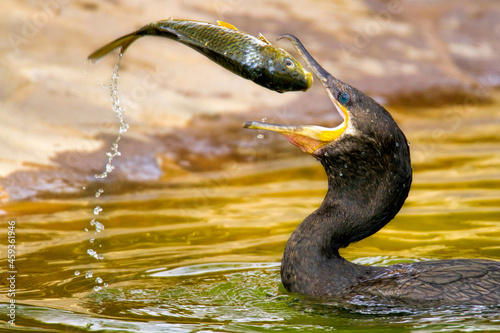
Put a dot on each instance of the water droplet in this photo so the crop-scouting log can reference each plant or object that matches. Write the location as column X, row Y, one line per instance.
column 395, row 155
column 84, row 188
column 99, row 176
column 106, row 284
column 89, row 274
column 87, row 230
column 99, row 192
column 91, row 239
column 260, row 136
column 77, row 273
column 345, row 166
column 97, row 210
column 93, row 253
column 341, row 174
column 97, row 288
column 397, row 144
column 98, row 280
column 98, row 225
column 100, row 257
column 124, row 128
column 264, row 119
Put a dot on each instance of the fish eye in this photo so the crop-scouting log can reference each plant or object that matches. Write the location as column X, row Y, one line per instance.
column 289, row 63
column 344, row 97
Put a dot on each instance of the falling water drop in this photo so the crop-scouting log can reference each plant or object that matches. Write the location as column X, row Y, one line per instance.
column 77, row 272
column 109, row 168
column 93, row 253
column 124, row 128
column 97, row 210
column 98, row 225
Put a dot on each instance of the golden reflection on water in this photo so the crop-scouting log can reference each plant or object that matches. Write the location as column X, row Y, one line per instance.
column 246, row 215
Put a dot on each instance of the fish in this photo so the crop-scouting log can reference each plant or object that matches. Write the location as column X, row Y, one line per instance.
column 253, row 58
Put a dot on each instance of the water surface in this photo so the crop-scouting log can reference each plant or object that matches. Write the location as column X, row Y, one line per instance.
column 202, row 254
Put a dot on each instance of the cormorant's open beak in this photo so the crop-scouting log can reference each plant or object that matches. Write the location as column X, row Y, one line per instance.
column 310, row 138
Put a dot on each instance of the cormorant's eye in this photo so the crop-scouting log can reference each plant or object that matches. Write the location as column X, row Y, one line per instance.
column 289, row 63
column 344, row 97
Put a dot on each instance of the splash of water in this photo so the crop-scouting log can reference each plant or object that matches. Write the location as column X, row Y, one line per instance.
column 114, row 152
column 119, row 110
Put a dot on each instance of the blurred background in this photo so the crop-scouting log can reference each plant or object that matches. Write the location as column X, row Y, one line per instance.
column 58, row 121
column 206, row 205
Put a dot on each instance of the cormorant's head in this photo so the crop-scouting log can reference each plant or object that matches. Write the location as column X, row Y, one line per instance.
column 311, row 138
column 362, row 116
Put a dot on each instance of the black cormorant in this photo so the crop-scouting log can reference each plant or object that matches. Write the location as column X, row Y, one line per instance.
column 367, row 162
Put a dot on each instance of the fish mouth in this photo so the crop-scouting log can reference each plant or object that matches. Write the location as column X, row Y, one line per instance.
column 310, row 138
column 309, row 81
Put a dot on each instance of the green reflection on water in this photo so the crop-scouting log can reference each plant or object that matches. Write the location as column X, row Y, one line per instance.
column 221, row 242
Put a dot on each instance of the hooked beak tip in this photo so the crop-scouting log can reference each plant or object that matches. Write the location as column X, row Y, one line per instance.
column 286, row 36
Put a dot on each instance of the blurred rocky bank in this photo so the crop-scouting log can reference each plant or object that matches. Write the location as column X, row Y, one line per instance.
column 185, row 112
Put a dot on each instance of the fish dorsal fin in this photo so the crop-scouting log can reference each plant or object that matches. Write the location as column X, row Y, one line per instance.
column 264, row 39
column 227, row 25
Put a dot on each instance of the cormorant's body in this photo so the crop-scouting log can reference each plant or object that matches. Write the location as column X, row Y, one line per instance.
column 367, row 162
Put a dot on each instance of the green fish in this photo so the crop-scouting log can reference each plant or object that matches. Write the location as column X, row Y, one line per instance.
column 250, row 57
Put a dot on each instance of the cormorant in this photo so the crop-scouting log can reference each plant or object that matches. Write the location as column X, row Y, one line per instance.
column 367, row 162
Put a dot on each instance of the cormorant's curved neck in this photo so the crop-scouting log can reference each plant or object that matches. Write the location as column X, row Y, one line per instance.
column 369, row 177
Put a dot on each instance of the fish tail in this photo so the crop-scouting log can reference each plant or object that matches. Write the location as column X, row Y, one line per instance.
column 160, row 29
column 122, row 42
